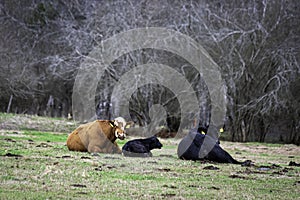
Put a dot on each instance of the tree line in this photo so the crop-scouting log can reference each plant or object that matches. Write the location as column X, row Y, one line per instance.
column 255, row 44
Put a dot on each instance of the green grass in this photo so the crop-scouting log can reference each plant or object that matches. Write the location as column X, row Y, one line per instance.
column 50, row 171
column 47, row 170
column 264, row 144
column 36, row 135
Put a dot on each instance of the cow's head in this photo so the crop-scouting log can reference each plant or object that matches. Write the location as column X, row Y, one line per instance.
column 120, row 122
column 119, row 132
column 154, row 143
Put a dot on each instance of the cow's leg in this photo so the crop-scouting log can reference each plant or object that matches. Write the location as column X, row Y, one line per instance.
column 94, row 149
column 116, row 148
column 111, row 148
column 149, row 154
column 218, row 154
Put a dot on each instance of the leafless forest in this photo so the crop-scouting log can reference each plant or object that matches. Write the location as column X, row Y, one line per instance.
column 255, row 44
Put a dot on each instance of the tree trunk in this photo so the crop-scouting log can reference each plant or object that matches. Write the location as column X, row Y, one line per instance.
column 9, row 104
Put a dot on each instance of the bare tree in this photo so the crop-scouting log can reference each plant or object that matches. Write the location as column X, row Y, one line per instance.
column 255, row 44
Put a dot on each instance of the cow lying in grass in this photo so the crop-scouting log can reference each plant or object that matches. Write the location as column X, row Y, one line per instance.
column 141, row 147
column 96, row 137
column 189, row 149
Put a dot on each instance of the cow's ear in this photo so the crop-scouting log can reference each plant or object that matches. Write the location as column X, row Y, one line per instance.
column 129, row 124
column 112, row 123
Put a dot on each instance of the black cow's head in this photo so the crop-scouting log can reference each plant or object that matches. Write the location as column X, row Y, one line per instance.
column 155, row 143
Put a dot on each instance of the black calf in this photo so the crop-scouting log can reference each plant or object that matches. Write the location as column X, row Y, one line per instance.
column 141, row 147
column 189, row 149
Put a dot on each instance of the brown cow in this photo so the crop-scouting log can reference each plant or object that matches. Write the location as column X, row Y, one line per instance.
column 96, row 137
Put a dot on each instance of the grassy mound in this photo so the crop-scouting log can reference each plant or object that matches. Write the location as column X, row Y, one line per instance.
column 33, row 122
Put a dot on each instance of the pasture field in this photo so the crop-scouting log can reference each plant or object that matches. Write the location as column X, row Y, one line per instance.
column 36, row 164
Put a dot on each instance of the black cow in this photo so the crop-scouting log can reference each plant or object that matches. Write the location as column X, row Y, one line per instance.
column 189, row 149
column 141, row 147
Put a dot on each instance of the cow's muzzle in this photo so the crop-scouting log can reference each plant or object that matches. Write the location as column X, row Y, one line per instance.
column 121, row 136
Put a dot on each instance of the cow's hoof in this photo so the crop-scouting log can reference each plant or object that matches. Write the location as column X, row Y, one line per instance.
column 247, row 163
column 95, row 154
